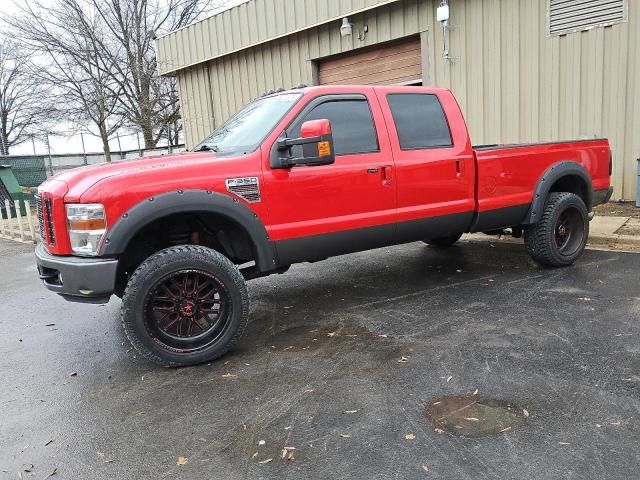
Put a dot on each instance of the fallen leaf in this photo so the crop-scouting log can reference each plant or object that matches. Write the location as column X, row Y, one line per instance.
column 229, row 375
column 383, row 336
column 261, row 442
column 309, row 390
column 438, row 430
column 182, row 461
column 348, row 412
column 254, row 455
column 331, row 334
column 287, row 453
column 475, row 392
column 425, row 468
column 345, row 435
column 410, row 436
column 508, row 429
column 449, row 378
column 403, row 360
column 472, row 419
column 525, row 412
column 268, row 460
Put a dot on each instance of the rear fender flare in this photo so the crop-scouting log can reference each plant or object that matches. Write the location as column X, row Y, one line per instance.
column 551, row 176
column 189, row 201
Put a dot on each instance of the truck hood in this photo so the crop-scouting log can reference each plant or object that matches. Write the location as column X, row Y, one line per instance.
column 79, row 180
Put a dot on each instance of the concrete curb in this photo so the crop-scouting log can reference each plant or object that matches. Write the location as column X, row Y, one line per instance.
column 615, row 241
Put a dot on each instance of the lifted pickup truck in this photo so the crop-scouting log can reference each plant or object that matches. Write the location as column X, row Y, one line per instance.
column 299, row 176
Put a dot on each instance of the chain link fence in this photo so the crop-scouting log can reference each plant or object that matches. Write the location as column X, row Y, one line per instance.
column 32, row 170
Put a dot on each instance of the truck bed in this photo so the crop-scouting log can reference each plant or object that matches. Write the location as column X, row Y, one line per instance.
column 507, row 175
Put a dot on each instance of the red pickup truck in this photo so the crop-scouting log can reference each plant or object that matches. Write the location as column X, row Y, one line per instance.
column 299, row 176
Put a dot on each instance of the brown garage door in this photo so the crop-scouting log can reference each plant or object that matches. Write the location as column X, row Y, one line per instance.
column 384, row 65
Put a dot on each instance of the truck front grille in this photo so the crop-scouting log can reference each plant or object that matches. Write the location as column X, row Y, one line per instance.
column 40, row 216
column 45, row 220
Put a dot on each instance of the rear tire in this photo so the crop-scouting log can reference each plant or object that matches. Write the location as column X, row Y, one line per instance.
column 444, row 242
column 561, row 235
column 185, row 305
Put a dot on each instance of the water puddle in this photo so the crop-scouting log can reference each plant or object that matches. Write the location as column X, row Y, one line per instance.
column 472, row 416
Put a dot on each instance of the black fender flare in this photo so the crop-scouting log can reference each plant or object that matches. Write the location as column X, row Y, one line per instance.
column 184, row 201
column 551, row 176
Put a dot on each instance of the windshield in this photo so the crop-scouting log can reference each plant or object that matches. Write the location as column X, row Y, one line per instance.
column 248, row 128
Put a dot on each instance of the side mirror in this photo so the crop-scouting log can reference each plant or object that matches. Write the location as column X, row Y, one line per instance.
column 317, row 146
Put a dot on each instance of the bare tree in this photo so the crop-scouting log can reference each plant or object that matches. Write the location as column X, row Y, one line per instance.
column 133, row 25
column 67, row 39
column 24, row 102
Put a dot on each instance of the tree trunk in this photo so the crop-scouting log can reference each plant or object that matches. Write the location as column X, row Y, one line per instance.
column 105, row 143
column 4, row 137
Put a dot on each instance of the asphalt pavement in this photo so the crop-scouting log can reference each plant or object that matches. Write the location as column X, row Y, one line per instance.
column 404, row 362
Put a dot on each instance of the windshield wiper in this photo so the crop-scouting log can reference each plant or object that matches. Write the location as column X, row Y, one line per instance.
column 207, row 148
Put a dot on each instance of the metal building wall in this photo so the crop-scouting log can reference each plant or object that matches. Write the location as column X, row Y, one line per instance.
column 514, row 83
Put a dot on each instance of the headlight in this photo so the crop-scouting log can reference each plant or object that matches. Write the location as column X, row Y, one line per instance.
column 87, row 225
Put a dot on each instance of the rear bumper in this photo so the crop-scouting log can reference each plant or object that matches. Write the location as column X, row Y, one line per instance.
column 77, row 279
column 602, row 196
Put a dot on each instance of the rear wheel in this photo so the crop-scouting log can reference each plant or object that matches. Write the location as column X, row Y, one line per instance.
column 185, row 305
column 444, row 242
column 560, row 236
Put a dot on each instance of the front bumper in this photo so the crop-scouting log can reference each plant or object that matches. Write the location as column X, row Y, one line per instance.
column 77, row 279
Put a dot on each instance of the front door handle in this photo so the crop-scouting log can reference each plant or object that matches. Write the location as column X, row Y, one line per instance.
column 387, row 172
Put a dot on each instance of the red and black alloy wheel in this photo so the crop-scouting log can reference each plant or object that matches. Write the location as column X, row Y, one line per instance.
column 187, row 310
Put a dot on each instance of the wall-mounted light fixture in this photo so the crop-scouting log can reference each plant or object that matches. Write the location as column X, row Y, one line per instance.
column 346, row 30
column 442, row 15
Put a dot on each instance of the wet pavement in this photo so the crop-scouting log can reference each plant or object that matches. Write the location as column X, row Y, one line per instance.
column 358, row 367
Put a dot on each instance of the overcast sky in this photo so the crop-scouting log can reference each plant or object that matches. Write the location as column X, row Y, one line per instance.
column 73, row 143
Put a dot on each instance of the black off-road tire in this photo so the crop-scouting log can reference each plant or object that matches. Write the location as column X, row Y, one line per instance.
column 544, row 239
column 146, row 281
column 444, row 242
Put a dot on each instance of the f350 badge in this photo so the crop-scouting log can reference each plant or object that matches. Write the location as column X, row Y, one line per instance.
column 247, row 188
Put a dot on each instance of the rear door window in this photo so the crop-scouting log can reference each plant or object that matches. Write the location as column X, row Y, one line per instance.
column 420, row 121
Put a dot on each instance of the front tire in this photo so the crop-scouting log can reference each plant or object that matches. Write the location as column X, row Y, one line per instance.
column 560, row 236
column 185, row 305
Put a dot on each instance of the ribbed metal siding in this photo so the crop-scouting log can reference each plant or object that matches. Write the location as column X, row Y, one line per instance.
column 513, row 82
column 249, row 24
column 574, row 15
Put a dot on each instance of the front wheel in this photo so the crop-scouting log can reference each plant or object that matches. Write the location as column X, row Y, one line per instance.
column 185, row 305
column 560, row 236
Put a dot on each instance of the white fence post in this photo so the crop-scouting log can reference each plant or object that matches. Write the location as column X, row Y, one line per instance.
column 32, row 230
column 8, row 207
column 19, row 218
column 1, row 224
